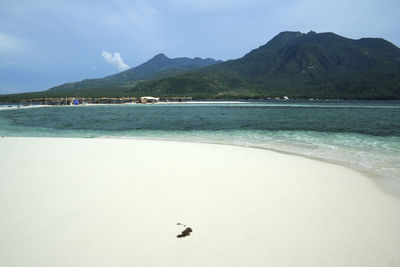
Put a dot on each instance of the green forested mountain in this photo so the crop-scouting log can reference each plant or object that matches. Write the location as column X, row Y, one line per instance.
column 158, row 67
column 294, row 64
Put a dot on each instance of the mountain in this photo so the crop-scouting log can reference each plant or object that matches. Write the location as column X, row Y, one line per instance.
column 160, row 66
column 317, row 65
column 294, row 64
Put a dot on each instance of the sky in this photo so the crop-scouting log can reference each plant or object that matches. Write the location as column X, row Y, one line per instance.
column 44, row 43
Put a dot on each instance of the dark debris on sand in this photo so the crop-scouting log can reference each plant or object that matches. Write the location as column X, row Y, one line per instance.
column 185, row 232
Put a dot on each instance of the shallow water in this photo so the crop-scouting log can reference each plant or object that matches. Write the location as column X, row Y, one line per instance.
column 365, row 135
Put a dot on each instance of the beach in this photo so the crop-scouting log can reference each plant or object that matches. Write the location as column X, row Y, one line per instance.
column 122, row 202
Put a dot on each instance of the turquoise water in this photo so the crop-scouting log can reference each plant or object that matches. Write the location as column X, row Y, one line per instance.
column 365, row 135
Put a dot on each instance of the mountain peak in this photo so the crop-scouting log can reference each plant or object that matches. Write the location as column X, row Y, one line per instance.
column 160, row 56
column 283, row 38
column 293, row 33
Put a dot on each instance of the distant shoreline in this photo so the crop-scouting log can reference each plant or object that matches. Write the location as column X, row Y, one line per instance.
column 209, row 101
column 8, row 106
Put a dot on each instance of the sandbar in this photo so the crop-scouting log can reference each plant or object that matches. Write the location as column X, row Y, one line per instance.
column 121, row 202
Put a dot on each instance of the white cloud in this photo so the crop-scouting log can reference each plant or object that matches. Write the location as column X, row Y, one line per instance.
column 115, row 59
column 10, row 43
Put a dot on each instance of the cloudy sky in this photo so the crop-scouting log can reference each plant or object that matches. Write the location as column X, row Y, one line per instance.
column 44, row 43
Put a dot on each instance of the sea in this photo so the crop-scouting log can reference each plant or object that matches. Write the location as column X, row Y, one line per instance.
column 364, row 135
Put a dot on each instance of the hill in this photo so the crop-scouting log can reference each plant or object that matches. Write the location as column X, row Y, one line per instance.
column 294, row 64
column 160, row 66
column 298, row 65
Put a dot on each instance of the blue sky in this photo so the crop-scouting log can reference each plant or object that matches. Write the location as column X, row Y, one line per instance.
column 44, row 43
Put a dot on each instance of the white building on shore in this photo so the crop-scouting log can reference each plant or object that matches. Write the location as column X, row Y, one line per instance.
column 149, row 99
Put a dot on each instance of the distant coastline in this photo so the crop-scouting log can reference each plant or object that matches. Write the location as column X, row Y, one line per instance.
column 134, row 100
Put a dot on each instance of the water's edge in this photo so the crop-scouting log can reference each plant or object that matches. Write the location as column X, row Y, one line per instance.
column 362, row 136
column 389, row 185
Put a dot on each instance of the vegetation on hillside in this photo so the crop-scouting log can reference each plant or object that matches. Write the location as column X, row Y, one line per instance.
column 294, row 64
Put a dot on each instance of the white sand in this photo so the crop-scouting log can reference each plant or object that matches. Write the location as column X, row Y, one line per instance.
column 205, row 102
column 22, row 107
column 103, row 202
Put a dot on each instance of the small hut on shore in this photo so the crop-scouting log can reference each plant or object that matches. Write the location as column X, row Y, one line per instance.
column 149, row 99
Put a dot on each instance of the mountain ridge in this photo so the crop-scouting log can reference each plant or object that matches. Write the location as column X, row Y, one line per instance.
column 151, row 69
column 294, row 64
column 317, row 65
